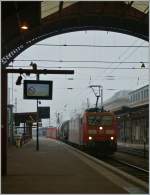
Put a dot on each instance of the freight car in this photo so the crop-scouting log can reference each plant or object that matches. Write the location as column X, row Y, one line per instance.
column 95, row 130
column 52, row 132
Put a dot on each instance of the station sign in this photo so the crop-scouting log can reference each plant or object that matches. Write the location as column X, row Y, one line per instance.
column 43, row 112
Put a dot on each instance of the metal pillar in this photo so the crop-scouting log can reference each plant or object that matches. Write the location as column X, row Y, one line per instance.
column 101, row 97
column 37, row 128
column 3, row 122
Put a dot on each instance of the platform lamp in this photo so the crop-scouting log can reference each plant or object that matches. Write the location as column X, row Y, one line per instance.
column 24, row 26
column 19, row 79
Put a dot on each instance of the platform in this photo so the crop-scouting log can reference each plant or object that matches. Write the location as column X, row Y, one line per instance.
column 53, row 169
column 134, row 146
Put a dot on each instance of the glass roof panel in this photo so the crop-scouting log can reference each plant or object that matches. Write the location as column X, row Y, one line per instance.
column 50, row 7
column 142, row 6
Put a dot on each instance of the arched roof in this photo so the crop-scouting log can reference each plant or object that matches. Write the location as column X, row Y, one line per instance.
column 46, row 19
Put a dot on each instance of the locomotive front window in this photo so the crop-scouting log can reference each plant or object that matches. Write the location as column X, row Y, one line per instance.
column 107, row 120
column 100, row 120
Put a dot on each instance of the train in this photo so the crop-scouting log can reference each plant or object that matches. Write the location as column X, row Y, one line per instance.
column 95, row 130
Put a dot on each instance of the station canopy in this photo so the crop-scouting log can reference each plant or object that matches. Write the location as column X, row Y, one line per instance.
column 25, row 117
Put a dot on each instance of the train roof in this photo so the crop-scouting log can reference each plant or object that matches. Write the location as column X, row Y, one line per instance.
column 95, row 110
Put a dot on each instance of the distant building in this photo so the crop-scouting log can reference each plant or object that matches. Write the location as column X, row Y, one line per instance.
column 132, row 111
column 139, row 97
column 117, row 101
column 126, row 98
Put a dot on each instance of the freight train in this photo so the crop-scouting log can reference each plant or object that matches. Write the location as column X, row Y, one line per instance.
column 95, row 130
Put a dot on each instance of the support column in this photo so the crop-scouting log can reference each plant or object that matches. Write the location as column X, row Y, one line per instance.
column 3, row 122
column 37, row 123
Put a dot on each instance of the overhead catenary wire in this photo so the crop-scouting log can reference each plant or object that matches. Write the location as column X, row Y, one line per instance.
column 81, row 88
column 105, row 70
column 129, row 56
column 128, row 49
column 93, row 67
column 124, row 57
column 79, row 61
column 88, row 45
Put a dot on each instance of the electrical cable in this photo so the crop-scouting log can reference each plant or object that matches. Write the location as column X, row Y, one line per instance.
column 78, row 45
column 124, row 58
column 80, row 61
column 93, row 67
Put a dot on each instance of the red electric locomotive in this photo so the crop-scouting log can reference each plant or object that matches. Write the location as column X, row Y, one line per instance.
column 95, row 130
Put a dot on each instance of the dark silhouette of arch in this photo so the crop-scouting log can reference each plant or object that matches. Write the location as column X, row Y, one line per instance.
column 108, row 16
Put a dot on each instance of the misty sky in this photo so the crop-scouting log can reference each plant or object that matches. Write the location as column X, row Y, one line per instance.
column 70, row 101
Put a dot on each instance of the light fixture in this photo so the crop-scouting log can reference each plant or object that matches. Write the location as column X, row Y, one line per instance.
column 19, row 79
column 143, row 65
column 112, row 138
column 24, row 27
column 34, row 65
column 101, row 128
column 90, row 138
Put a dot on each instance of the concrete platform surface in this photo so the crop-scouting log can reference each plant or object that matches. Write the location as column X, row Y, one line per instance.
column 52, row 169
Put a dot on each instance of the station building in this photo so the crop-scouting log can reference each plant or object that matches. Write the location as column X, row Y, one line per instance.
column 132, row 111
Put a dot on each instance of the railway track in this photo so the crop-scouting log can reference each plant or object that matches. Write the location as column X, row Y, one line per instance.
column 128, row 167
column 127, row 163
column 137, row 152
column 131, row 169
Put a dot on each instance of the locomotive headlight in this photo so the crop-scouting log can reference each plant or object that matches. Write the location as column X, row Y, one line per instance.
column 100, row 128
column 112, row 138
column 90, row 138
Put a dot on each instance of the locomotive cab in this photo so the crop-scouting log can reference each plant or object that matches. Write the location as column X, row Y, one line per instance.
column 100, row 131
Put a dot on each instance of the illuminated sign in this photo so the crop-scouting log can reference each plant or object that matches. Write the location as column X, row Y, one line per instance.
column 34, row 89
